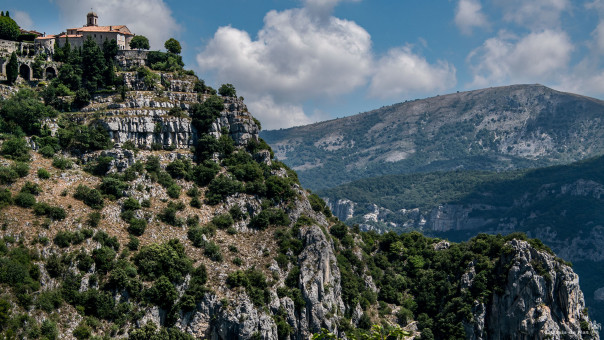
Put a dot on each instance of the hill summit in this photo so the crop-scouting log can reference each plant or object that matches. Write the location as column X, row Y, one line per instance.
column 496, row 128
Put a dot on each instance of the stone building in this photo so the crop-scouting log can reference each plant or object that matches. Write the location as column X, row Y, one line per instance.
column 77, row 36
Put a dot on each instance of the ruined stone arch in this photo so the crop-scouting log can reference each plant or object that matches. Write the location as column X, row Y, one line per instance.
column 25, row 72
column 50, row 72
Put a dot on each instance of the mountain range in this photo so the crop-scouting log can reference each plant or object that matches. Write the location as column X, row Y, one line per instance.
column 502, row 128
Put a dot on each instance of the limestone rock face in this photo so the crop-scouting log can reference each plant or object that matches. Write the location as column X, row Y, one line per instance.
column 342, row 208
column 320, row 281
column 541, row 299
column 144, row 131
column 239, row 319
column 240, row 123
column 145, row 120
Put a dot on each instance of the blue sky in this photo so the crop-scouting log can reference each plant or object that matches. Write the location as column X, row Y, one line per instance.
column 302, row 61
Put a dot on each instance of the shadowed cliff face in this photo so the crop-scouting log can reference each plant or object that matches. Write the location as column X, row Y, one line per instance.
column 495, row 128
column 541, row 299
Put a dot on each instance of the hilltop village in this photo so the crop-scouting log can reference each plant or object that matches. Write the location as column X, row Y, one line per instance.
column 35, row 51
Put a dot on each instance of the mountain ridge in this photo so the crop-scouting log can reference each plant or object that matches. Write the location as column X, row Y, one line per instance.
column 500, row 128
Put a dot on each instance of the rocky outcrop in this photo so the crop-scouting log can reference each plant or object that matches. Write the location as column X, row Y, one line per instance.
column 234, row 319
column 238, row 121
column 145, row 131
column 342, row 208
column 319, row 282
column 541, row 300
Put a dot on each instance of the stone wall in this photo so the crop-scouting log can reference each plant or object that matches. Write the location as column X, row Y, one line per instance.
column 131, row 58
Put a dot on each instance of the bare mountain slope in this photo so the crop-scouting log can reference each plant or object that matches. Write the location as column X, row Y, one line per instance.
column 492, row 129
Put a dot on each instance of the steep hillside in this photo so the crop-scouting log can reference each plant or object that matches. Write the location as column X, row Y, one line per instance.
column 491, row 129
column 152, row 210
column 561, row 205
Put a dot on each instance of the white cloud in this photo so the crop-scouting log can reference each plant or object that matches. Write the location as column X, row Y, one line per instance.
column 598, row 35
column 306, row 54
column 403, row 72
column 323, row 7
column 273, row 115
column 151, row 18
column 22, row 19
column 296, row 57
column 537, row 57
column 534, row 14
column 468, row 15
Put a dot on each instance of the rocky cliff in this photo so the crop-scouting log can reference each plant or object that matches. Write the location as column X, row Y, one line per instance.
column 541, row 299
column 123, row 231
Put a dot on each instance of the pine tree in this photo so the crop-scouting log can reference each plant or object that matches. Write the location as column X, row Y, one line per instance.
column 12, row 69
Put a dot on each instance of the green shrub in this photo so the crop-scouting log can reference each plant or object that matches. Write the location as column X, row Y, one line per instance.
column 113, row 187
column 63, row 238
column 61, row 163
column 223, row 221
column 168, row 259
column 168, row 214
column 32, row 188
column 15, row 148
column 91, row 197
column 43, row 173
column 100, row 166
column 7, row 175
column 279, row 188
column 174, row 191
column 318, row 204
column 94, row 218
column 220, row 188
column 179, row 168
column 195, row 234
column 21, row 168
column 82, row 332
column 195, row 202
column 49, row 330
column 25, row 199
column 131, row 203
column 204, row 173
column 270, row 216
column 236, row 213
column 133, row 243
column 162, row 293
column 103, row 258
column 137, row 226
column 47, row 151
column 204, row 114
column 49, row 300
column 212, row 251
column 5, row 198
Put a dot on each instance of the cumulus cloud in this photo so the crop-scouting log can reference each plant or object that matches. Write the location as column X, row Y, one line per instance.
column 403, row 72
column 151, row 18
column 278, row 115
column 307, row 54
column 22, row 19
column 323, row 7
column 538, row 57
column 534, row 14
column 468, row 15
column 598, row 35
column 296, row 57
